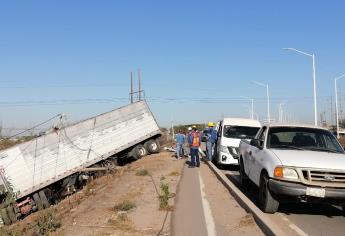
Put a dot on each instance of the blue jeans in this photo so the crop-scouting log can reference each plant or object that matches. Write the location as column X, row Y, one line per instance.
column 179, row 150
column 194, row 153
column 209, row 150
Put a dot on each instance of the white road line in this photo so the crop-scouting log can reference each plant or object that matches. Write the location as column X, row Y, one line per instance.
column 294, row 227
column 298, row 230
column 210, row 226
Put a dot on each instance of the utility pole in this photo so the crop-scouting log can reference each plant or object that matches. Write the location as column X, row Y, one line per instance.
column 139, row 79
column 172, row 128
column 131, row 94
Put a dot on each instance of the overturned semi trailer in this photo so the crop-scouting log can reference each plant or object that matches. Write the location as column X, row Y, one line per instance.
column 34, row 174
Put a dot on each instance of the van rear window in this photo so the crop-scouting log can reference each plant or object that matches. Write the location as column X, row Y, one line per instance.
column 240, row 132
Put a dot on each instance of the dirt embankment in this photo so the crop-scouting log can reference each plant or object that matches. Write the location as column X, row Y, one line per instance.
column 136, row 200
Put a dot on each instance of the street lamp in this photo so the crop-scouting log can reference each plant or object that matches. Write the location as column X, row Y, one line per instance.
column 268, row 99
column 314, row 79
column 252, row 102
column 336, row 100
column 280, row 111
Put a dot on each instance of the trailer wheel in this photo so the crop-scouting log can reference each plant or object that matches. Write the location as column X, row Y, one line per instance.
column 4, row 216
column 38, row 201
column 152, row 146
column 11, row 214
column 44, row 199
column 139, row 151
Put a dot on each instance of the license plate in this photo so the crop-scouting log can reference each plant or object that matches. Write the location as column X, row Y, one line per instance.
column 316, row 192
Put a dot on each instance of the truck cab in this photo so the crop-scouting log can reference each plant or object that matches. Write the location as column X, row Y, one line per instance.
column 230, row 131
column 293, row 163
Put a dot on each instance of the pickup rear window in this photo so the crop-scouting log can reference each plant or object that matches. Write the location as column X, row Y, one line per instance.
column 240, row 132
column 303, row 138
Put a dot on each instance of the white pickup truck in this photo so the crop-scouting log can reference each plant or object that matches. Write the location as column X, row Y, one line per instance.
column 293, row 164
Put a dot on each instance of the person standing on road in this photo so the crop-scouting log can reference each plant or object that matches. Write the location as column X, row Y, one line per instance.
column 188, row 145
column 194, row 143
column 211, row 139
column 180, row 139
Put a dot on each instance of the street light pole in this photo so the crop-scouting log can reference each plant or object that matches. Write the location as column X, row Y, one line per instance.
column 314, row 78
column 336, row 101
column 268, row 99
column 252, row 107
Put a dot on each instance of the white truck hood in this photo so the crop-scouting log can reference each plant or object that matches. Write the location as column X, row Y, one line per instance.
column 311, row 159
column 230, row 142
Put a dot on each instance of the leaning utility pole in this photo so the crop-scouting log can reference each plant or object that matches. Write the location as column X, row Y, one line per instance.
column 131, row 94
column 139, row 79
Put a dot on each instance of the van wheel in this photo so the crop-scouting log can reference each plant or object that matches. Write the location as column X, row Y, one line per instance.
column 4, row 216
column 152, row 146
column 266, row 202
column 244, row 180
column 11, row 214
column 44, row 199
column 38, row 201
column 139, row 151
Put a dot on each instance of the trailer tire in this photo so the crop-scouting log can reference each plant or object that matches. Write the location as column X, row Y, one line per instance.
column 44, row 199
column 139, row 151
column 11, row 214
column 4, row 216
column 152, row 146
column 38, row 201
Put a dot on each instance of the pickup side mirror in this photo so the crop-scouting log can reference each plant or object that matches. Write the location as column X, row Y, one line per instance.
column 256, row 143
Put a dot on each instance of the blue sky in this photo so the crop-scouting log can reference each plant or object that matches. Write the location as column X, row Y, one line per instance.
column 197, row 57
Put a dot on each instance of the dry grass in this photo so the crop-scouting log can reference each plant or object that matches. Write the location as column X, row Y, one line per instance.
column 142, row 172
column 47, row 222
column 121, row 222
column 7, row 143
column 6, row 231
column 174, row 173
column 247, row 220
column 125, row 206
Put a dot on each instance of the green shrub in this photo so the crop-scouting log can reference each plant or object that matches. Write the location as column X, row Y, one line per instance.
column 47, row 223
column 124, row 206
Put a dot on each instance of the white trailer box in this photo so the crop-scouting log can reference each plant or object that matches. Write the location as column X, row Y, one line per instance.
column 36, row 164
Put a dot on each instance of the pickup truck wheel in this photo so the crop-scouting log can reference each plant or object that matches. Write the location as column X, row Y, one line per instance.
column 38, row 201
column 244, row 181
column 4, row 216
column 343, row 210
column 266, row 202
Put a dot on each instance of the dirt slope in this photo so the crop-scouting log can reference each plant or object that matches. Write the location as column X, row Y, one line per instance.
column 96, row 211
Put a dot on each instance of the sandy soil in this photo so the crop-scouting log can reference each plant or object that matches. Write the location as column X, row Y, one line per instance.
column 91, row 211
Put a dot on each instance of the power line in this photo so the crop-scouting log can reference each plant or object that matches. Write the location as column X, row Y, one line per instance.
column 44, row 122
column 149, row 99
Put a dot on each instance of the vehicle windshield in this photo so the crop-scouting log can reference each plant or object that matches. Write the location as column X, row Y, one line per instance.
column 240, row 132
column 301, row 138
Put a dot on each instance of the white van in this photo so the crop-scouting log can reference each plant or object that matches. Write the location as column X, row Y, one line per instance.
column 230, row 133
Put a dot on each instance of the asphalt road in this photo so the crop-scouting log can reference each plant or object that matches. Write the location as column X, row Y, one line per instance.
column 300, row 218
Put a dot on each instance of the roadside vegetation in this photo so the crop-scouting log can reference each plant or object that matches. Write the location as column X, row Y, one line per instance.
column 47, row 222
column 142, row 172
column 125, row 206
column 164, row 196
column 7, row 143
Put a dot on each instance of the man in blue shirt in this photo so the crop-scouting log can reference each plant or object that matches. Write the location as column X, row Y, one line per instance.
column 180, row 139
column 211, row 139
